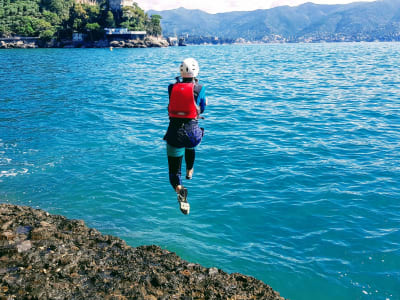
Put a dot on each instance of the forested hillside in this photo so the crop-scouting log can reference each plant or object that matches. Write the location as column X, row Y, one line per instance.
column 60, row 18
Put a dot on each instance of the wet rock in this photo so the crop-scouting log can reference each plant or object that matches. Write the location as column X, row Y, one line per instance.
column 43, row 256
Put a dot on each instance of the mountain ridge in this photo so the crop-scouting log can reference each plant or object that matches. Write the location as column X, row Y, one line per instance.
column 379, row 20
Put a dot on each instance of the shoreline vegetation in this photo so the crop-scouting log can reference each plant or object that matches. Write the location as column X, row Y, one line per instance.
column 44, row 256
column 76, row 23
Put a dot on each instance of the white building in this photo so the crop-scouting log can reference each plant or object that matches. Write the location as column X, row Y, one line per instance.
column 124, row 34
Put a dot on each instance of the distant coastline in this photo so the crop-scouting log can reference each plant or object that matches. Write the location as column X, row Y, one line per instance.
column 91, row 24
column 278, row 39
column 35, row 43
column 308, row 23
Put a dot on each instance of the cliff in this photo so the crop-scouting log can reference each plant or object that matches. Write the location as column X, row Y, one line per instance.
column 45, row 256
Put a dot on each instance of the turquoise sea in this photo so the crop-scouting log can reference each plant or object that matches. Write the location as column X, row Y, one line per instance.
column 297, row 181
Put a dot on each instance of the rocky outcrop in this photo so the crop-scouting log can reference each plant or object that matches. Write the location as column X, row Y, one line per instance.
column 151, row 41
column 45, row 256
column 18, row 44
column 25, row 43
column 148, row 42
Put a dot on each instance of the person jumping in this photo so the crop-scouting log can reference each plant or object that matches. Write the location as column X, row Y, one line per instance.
column 187, row 101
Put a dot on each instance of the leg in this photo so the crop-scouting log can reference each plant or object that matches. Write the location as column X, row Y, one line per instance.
column 190, row 155
column 175, row 156
column 174, row 166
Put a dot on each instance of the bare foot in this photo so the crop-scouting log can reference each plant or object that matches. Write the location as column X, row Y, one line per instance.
column 189, row 173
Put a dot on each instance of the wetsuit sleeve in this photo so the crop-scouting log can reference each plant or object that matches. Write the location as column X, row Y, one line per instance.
column 202, row 100
column 169, row 90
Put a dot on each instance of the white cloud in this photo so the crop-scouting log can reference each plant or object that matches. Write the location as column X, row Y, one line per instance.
column 214, row 6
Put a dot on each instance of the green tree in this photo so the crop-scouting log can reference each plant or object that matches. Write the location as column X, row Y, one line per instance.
column 154, row 25
column 78, row 18
column 109, row 20
column 47, row 35
column 93, row 13
column 49, row 18
column 24, row 25
column 133, row 18
column 59, row 7
column 94, row 31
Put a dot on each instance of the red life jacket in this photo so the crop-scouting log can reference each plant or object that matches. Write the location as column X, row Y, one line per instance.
column 181, row 102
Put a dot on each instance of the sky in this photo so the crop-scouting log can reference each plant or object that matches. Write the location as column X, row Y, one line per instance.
column 216, row 6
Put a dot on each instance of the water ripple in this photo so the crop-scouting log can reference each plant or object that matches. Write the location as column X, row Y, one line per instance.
column 296, row 181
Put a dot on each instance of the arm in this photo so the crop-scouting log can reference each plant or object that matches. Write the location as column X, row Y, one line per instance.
column 202, row 99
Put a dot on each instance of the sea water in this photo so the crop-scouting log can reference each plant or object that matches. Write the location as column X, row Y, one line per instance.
column 296, row 181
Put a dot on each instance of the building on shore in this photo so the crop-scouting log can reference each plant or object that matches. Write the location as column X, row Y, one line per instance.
column 115, row 34
column 78, row 37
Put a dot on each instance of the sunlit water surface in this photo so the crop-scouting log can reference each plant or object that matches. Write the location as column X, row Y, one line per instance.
column 296, row 181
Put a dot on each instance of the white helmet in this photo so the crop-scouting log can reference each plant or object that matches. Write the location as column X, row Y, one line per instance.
column 189, row 68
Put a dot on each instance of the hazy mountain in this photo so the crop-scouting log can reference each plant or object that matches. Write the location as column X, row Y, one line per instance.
column 362, row 20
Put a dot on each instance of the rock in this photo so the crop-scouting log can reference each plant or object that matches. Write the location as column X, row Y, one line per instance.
column 31, row 45
column 212, row 271
column 114, row 44
column 7, row 235
column 43, row 256
column 151, row 41
column 24, row 246
column 17, row 43
column 45, row 224
column 6, row 225
column 40, row 233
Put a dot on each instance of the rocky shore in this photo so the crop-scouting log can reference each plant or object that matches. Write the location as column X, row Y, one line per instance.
column 148, row 42
column 45, row 256
column 18, row 44
column 26, row 43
